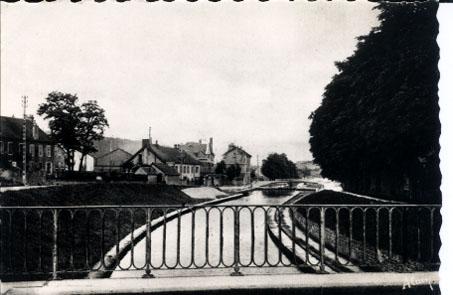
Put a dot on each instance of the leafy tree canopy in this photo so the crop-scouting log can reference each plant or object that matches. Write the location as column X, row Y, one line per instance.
column 233, row 171
column 220, row 168
column 379, row 117
column 73, row 127
column 278, row 166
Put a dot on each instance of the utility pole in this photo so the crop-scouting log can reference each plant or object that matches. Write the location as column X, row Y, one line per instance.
column 24, row 134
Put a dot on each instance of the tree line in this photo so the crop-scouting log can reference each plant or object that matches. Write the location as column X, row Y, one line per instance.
column 377, row 129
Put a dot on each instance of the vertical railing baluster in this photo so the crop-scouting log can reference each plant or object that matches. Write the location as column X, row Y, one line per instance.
column 164, row 238
column 390, row 212
column 2, row 260
column 55, row 245
column 293, row 234
column 378, row 257
column 322, row 238
column 87, row 240
column 148, row 245
column 431, row 235
column 266, row 241
column 207, row 236
column 364, row 210
column 221, row 237
column 117, row 233
column 307, row 235
column 10, row 232
column 418, row 235
column 252, row 228
column 236, row 243
column 40, row 242
column 351, row 210
column 337, row 233
column 102, row 212
column 192, row 240
column 25, row 240
column 71, row 258
column 132, row 223
column 178, row 240
column 279, row 215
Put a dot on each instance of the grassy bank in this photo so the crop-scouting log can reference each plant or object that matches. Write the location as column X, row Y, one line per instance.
column 369, row 234
column 84, row 235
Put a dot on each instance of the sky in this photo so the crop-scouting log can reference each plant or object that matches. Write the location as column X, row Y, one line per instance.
column 243, row 72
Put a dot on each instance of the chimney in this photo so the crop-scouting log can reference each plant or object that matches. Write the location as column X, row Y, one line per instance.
column 150, row 139
column 35, row 131
column 157, row 143
column 211, row 149
column 145, row 142
column 199, row 141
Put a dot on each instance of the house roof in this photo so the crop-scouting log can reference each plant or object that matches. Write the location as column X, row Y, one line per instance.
column 234, row 147
column 165, row 169
column 114, row 158
column 11, row 128
column 115, row 151
column 157, row 168
column 168, row 154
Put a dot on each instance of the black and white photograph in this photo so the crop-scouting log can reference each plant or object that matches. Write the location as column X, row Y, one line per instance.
column 224, row 147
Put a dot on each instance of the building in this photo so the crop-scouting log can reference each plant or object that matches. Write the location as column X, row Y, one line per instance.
column 202, row 152
column 40, row 148
column 308, row 169
column 112, row 161
column 88, row 162
column 188, row 168
column 235, row 155
column 159, row 173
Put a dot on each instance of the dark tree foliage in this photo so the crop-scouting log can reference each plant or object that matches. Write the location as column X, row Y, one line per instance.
column 233, row 171
column 377, row 129
column 73, row 127
column 278, row 166
column 220, row 168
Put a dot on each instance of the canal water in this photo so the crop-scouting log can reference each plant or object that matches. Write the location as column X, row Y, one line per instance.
column 205, row 242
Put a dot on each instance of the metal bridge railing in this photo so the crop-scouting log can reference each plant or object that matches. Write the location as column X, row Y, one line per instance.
column 69, row 242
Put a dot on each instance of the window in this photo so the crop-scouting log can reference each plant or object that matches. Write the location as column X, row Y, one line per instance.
column 10, row 148
column 32, row 150
column 2, row 148
column 196, row 169
column 48, row 167
column 191, row 169
column 40, row 150
column 49, row 151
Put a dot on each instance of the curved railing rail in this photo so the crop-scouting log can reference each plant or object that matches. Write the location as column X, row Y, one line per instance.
column 68, row 242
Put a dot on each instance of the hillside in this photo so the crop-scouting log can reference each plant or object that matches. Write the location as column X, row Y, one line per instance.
column 109, row 144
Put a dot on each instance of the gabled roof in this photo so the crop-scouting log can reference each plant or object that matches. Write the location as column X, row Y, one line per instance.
column 157, row 168
column 118, row 150
column 12, row 128
column 168, row 154
column 234, row 147
column 165, row 169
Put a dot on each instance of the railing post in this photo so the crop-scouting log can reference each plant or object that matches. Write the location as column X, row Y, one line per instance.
column 236, row 243
column 55, row 245
column 148, row 246
column 322, row 239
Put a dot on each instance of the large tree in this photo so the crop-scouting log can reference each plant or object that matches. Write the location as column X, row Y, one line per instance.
column 73, row 127
column 278, row 166
column 377, row 129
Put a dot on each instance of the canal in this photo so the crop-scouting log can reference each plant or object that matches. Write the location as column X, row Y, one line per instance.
column 200, row 248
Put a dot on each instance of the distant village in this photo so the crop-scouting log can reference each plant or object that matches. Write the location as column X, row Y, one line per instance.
column 190, row 163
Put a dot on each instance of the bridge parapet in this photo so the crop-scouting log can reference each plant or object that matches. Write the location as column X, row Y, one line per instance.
column 69, row 242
